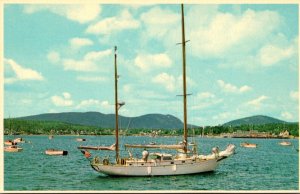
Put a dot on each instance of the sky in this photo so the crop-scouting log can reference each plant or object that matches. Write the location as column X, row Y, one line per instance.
column 242, row 60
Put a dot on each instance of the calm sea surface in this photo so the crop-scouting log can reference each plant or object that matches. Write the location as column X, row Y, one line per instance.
column 268, row 167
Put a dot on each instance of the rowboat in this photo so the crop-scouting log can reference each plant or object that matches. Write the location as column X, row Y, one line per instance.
column 248, row 145
column 10, row 142
column 285, row 143
column 80, row 139
column 19, row 140
column 12, row 148
column 54, row 152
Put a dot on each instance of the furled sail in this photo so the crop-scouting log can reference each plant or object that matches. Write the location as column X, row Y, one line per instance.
column 111, row 148
column 154, row 146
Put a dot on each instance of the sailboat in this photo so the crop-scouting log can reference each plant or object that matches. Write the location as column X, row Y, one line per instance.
column 152, row 164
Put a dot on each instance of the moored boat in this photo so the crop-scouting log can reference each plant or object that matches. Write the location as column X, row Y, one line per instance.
column 10, row 142
column 12, row 148
column 285, row 143
column 152, row 164
column 80, row 139
column 19, row 140
column 54, row 152
column 248, row 145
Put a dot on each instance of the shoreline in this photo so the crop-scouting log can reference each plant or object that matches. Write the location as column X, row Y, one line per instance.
column 213, row 137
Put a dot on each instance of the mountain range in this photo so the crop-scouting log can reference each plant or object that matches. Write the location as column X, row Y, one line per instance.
column 254, row 120
column 148, row 121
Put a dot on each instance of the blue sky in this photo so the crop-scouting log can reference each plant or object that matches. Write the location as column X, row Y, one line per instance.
column 242, row 59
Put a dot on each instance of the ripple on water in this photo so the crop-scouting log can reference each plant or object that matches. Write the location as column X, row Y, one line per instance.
column 268, row 167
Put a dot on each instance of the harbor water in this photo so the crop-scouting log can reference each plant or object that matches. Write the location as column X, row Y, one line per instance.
column 270, row 166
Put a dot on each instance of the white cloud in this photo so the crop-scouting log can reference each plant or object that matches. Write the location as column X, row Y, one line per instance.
column 287, row 115
column 64, row 100
column 105, row 104
column 294, row 95
column 66, row 95
column 99, row 105
column 272, row 54
column 138, row 6
column 77, row 43
column 159, row 23
column 81, row 13
column 257, row 103
column 90, row 62
column 227, row 87
column 127, row 88
column 189, row 81
column 275, row 50
column 10, row 80
column 205, row 95
column 244, row 89
column 82, row 65
column 53, row 57
column 222, row 116
column 205, row 99
column 166, row 80
column 91, row 78
column 113, row 24
column 21, row 73
column 97, row 55
column 225, row 31
column 89, row 102
column 147, row 62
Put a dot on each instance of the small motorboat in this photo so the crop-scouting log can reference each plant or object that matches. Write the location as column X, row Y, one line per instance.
column 80, row 139
column 10, row 142
column 12, row 148
column 19, row 140
column 230, row 149
column 248, row 145
column 54, row 152
column 285, row 143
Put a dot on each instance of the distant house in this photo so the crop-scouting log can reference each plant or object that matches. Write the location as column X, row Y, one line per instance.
column 284, row 134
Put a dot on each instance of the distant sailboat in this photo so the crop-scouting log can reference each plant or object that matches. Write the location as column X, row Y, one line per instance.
column 153, row 164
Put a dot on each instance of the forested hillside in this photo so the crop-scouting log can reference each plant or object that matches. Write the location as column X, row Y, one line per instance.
column 18, row 126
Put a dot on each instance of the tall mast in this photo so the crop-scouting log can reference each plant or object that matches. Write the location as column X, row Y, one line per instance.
column 116, row 107
column 184, row 83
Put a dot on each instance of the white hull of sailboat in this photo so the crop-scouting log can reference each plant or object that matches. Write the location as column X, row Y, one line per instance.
column 159, row 170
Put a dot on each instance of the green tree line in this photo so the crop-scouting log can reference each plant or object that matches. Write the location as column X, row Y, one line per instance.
column 32, row 127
